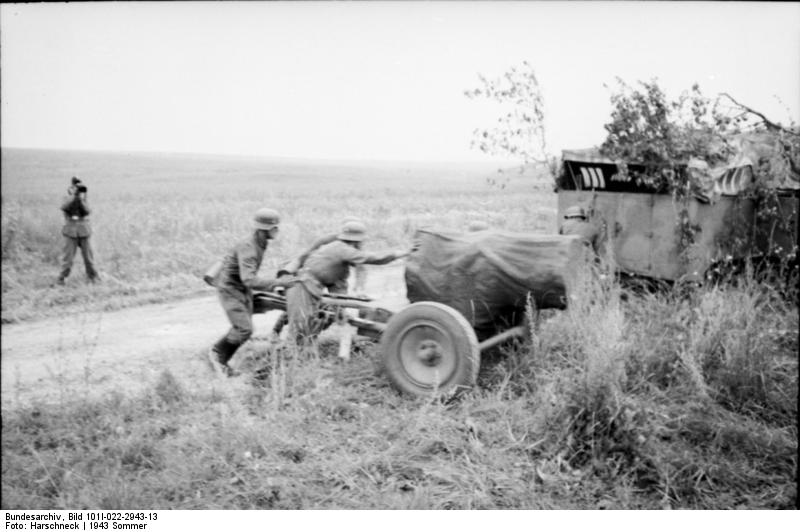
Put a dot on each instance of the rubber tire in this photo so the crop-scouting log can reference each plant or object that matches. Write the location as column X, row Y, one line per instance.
column 451, row 327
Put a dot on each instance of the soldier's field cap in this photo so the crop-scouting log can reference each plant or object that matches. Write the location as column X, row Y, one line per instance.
column 75, row 180
column 353, row 231
column 266, row 219
column 576, row 211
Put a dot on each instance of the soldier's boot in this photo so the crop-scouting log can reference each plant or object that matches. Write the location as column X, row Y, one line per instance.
column 220, row 369
column 220, row 354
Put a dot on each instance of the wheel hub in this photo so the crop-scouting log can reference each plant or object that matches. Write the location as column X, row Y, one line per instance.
column 429, row 347
column 426, row 353
column 430, row 353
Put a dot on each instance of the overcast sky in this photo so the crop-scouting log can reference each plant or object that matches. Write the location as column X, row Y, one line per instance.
column 351, row 80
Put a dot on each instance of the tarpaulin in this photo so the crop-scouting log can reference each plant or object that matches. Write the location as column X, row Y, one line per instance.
column 488, row 275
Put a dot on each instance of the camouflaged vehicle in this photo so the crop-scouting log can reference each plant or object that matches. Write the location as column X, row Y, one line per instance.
column 640, row 223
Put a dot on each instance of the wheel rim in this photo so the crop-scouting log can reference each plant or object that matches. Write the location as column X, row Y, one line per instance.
column 427, row 354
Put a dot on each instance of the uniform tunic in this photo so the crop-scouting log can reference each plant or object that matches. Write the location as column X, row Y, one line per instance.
column 235, row 283
column 360, row 272
column 326, row 268
column 330, row 264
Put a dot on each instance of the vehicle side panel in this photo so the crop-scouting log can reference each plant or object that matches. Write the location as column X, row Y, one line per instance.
column 642, row 229
column 664, row 255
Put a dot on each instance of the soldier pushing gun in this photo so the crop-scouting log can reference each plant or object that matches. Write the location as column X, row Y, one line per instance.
column 236, row 280
column 327, row 269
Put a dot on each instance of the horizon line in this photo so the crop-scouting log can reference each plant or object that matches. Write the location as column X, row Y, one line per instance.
column 267, row 157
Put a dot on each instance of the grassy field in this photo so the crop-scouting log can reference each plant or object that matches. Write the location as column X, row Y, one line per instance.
column 159, row 221
column 626, row 400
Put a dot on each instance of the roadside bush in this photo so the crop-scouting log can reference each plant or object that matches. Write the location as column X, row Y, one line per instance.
column 678, row 394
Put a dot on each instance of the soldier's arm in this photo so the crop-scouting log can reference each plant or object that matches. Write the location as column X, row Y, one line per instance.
column 357, row 257
column 67, row 203
column 383, row 258
column 318, row 243
column 84, row 203
column 75, row 203
column 248, row 272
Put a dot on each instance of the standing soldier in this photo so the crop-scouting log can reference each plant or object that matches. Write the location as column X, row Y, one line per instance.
column 235, row 283
column 328, row 268
column 76, row 231
column 575, row 223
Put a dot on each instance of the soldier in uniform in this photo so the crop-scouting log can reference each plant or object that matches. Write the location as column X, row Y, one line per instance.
column 327, row 269
column 76, row 231
column 235, row 283
column 575, row 223
column 292, row 268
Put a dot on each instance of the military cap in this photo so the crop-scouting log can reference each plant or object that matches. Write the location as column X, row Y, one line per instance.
column 266, row 219
column 353, row 231
column 575, row 211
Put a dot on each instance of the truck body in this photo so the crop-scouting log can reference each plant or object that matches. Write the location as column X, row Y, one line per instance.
column 640, row 223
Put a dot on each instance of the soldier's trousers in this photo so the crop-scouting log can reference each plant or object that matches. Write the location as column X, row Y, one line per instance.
column 71, row 245
column 307, row 316
column 238, row 308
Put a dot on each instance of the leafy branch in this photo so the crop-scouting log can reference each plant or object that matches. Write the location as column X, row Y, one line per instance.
column 520, row 131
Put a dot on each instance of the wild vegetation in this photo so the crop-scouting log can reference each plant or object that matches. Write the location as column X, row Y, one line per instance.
column 658, row 401
column 627, row 399
column 160, row 221
column 661, row 137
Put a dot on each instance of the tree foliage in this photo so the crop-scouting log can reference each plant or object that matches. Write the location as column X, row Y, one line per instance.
column 660, row 135
column 520, row 131
column 663, row 135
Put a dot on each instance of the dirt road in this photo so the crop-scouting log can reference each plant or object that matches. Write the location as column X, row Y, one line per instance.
column 94, row 353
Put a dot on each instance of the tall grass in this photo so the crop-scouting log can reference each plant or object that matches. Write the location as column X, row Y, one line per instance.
column 692, row 399
column 625, row 400
column 160, row 221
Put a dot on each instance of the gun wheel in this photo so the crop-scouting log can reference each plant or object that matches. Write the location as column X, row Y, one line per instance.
column 430, row 348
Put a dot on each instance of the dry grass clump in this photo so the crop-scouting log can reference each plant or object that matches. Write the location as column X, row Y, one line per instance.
column 583, row 416
column 77, row 456
column 690, row 398
column 332, row 435
column 705, row 456
column 735, row 345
